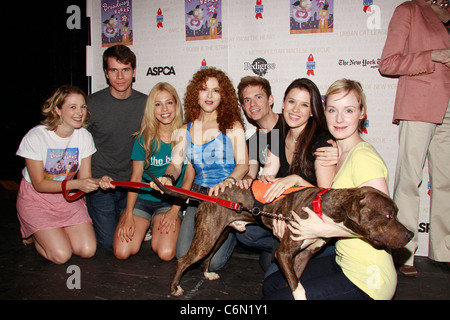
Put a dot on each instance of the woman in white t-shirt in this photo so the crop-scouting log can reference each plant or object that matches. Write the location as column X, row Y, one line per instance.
column 55, row 151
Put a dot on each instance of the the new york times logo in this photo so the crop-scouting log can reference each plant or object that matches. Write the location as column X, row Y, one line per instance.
column 259, row 66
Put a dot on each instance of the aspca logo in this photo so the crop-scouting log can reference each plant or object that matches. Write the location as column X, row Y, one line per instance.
column 156, row 71
column 259, row 66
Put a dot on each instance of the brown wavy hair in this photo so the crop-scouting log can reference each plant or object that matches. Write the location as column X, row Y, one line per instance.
column 228, row 111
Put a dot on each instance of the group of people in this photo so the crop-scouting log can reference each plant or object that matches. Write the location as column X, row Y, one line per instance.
column 121, row 134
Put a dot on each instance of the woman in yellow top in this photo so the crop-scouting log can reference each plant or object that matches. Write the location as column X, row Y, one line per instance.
column 358, row 270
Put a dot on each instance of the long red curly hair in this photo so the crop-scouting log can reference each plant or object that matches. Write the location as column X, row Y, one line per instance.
column 228, row 111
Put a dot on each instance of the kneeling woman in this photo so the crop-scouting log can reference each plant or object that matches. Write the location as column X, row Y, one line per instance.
column 54, row 153
column 153, row 151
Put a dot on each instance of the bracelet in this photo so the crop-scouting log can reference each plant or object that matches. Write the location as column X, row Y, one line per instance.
column 232, row 178
column 171, row 177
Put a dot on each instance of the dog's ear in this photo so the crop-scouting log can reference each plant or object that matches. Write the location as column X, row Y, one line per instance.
column 353, row 211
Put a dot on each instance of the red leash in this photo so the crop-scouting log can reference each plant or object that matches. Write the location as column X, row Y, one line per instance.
column 236, row 206
column 200, row 196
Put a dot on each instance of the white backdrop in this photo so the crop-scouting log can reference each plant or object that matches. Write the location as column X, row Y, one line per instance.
column 352, row 49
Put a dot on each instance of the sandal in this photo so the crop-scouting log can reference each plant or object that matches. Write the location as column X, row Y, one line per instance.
column 27, row 241
column 409, row 271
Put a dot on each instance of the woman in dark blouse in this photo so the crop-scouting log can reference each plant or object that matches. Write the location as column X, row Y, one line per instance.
column 306, row 131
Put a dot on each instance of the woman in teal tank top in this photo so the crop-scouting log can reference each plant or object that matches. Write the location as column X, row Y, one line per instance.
column 213, row 141
column 152, row 151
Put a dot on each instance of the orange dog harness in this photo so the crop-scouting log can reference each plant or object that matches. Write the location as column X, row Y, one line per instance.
column 259, row 189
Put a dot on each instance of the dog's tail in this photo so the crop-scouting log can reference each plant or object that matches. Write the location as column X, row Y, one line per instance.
column 163, row 188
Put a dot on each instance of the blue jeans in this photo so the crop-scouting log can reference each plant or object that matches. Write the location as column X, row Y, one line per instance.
column 259, row 238
column 322, row 279
column 256, row 237
column 149, row 209
column 186, row 236
column 104, row 207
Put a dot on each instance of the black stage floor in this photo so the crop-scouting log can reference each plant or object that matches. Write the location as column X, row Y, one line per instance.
column 25, row 275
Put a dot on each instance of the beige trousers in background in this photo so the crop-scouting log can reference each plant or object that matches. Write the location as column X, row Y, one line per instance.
column 417, row 142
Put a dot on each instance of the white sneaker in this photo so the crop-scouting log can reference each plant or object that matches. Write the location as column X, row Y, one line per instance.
column 148, row 235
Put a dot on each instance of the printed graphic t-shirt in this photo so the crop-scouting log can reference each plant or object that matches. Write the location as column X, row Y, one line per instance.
column 61, row 157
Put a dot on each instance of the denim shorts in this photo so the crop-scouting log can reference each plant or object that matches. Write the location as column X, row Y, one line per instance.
column 148, row 209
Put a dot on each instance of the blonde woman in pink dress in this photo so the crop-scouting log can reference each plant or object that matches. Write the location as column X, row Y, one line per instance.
column 56, row 151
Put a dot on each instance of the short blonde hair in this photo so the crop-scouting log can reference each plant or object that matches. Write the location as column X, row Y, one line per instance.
column 347, row 86
column 56, row 100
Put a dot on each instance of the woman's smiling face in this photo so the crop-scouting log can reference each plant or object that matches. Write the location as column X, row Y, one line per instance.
column 297, row 108
column 73, row 111
column 165, row 107
column 209, row 96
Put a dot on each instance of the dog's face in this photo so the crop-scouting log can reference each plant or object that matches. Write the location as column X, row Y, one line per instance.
column 374, row 216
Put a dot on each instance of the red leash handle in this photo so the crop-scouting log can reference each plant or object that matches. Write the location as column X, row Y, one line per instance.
column 66, row 195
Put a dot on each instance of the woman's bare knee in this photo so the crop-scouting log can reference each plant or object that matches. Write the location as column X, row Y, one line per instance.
column 87, row 250
column 53, row 245
column 124, row 251
column 59, row 255
column 165, row 253
column 121, row 252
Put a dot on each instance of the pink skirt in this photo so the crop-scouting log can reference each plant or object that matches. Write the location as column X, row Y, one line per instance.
column 38, row 211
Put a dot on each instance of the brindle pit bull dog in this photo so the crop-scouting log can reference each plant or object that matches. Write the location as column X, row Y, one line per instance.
column 364, row 211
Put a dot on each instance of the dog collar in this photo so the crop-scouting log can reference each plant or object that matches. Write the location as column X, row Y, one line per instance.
column 317, row 203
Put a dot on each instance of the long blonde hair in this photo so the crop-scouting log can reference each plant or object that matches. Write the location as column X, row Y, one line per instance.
column 149, row 131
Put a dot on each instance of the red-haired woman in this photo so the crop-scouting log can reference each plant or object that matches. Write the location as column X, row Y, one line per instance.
column 213, row 140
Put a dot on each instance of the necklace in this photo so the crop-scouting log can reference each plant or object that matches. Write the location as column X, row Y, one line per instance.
column 293, row 138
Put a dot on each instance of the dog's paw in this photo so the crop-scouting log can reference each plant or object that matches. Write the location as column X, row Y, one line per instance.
column 211, row 275
column 299, row 293
column 178, row 292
